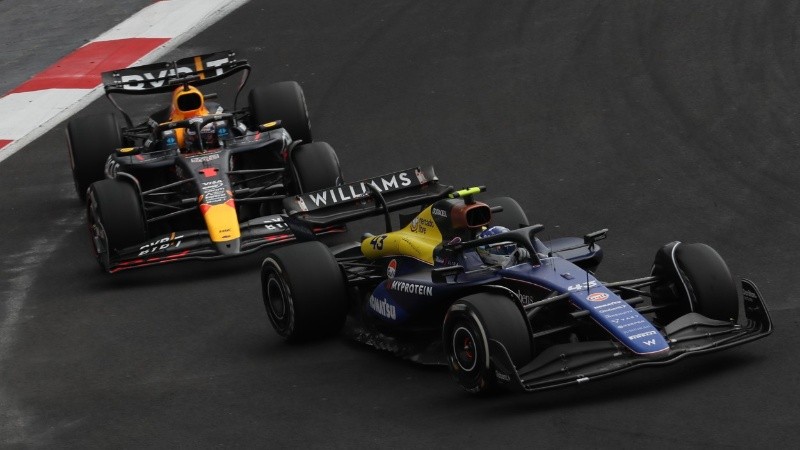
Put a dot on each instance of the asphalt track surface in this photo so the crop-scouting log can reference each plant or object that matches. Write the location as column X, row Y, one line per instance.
column 38, row 32
column 659, row 120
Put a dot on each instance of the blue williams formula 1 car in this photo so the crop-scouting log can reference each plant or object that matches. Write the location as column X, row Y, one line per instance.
column 468, row 284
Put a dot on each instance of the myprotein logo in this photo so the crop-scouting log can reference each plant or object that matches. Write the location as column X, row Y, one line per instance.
column 411, row 288
column 145, row 80
column 358, row 190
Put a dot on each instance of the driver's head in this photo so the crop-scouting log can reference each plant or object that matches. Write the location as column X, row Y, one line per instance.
column 208, row 138
column 498, row 253
column 187, row 102
column 208, row 134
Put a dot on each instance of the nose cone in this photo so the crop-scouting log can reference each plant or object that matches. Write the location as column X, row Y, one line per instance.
column 231, row 247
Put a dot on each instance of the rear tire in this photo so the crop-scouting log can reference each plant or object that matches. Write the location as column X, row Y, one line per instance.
column 115, row 218
column 316, row 167
column 282, row 101
column 702, row 283
column 90, row 140
column 469, row 325
column 304, row 291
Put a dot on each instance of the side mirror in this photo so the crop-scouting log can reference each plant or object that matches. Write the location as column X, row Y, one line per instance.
column 590, row 238
column 269, row 125
column 128, row 151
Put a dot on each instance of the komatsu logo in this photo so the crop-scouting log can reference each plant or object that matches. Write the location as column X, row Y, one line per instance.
column 354, row 191
column 382, row 307
column 410, row 288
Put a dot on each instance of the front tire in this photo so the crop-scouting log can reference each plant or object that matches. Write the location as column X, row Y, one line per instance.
column 468, row 327
column 304, row 291
column 696, row 278
column 90, row 140
column 115, row 217
column 282, row 101
column 316, row 167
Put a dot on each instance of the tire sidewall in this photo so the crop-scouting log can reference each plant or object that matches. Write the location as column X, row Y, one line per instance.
column 97, row 232
column 461, row 322
column 313, row 289
column 90, row 141
column 115, row 217
column 273, row 283
column 315, row 166
column 283, row 101
column 709, row 281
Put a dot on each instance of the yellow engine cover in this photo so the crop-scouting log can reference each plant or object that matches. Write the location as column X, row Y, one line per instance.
column 417, row 240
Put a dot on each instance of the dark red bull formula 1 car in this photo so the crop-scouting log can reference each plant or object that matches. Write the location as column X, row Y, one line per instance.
column 536, row 318
column 193, row 179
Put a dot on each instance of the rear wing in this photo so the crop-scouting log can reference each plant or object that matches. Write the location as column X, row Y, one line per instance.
column 165, row 76
column 366, row 198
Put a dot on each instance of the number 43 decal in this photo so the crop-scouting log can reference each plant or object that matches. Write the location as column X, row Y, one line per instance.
column 377, row 242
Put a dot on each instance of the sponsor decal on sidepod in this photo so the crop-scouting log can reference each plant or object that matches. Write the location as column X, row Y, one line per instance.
column 383, row 307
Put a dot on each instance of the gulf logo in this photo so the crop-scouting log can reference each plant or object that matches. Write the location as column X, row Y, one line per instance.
column 391, row 269
column 597, row 297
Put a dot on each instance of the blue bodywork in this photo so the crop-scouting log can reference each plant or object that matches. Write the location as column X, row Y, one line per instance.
column 412, row 300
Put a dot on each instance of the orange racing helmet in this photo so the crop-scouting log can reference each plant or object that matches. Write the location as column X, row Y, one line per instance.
column 187, row 102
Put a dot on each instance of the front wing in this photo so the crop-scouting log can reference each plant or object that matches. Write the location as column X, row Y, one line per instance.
column 196, row 244
column 691, row 334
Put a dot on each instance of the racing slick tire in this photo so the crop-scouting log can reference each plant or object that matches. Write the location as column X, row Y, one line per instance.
column 115, row 217
column 699, row 280
column 282, row 101
column 316, row 167
column 469, row 325
column 304, row 291
column 90, row 140
column 512, row 216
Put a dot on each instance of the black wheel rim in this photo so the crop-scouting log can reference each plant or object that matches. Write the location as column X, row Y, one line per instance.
column 464, row 349
column 97, row 233
column 276, row 296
